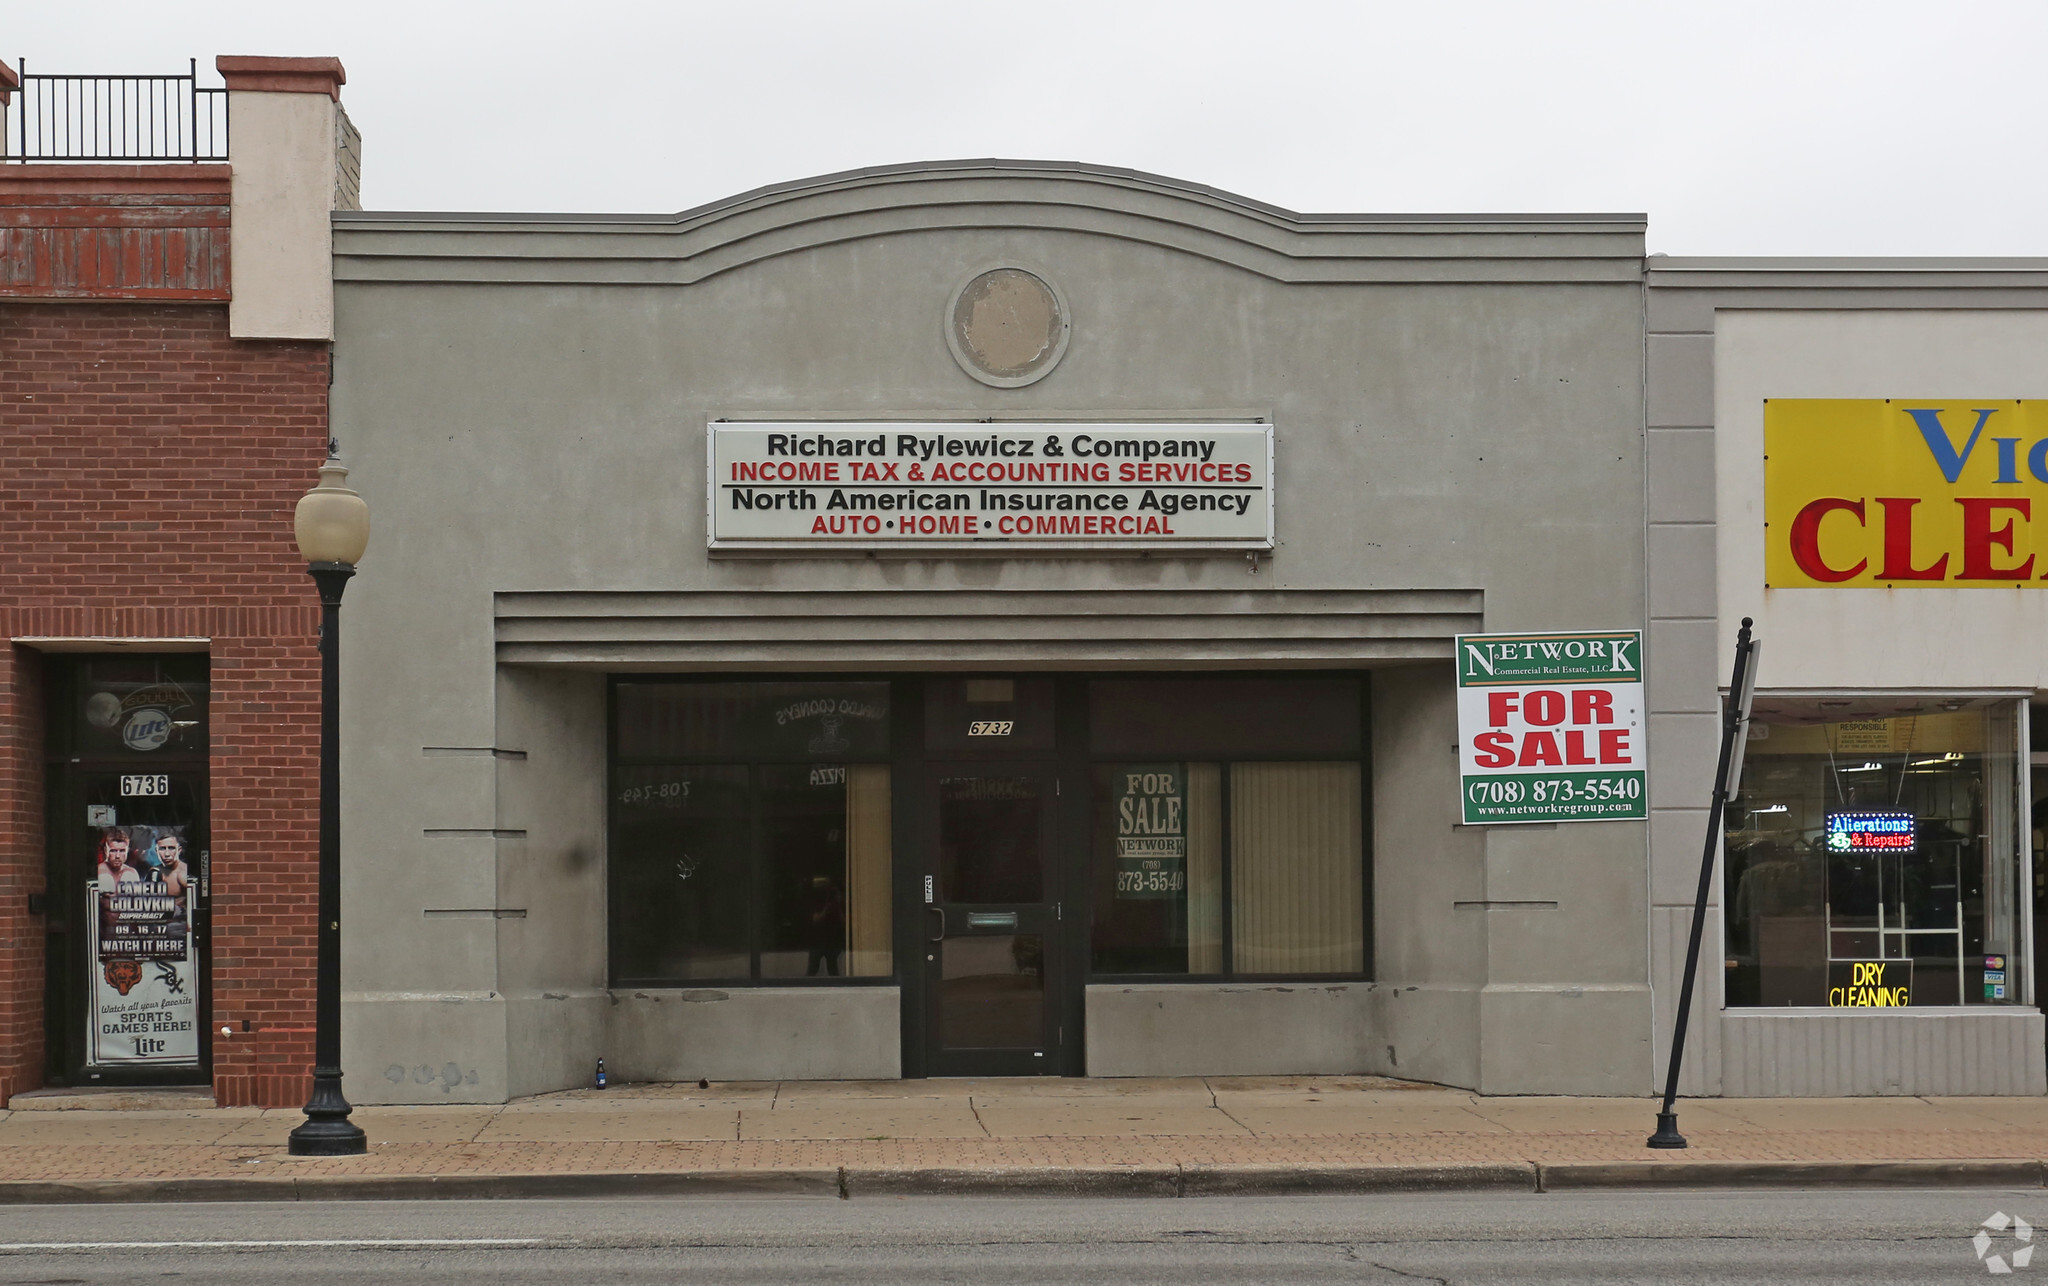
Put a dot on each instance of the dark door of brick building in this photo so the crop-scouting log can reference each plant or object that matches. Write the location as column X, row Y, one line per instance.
column 126, row 823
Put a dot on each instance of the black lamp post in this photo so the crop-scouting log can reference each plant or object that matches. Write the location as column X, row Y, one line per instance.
column 333, row 528
column 1727, row 778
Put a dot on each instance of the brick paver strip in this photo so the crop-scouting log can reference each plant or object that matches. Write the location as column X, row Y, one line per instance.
column 46, row 1161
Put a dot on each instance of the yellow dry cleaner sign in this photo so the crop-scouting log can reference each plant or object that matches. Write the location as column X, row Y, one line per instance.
column 1895, row 493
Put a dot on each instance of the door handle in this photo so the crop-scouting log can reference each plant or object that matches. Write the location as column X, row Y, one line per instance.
column 941, row 913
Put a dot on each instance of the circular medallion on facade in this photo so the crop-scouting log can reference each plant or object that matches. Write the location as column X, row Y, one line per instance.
column 1007, row 327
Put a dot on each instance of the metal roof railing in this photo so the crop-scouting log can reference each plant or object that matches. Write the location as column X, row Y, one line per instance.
column 117, row 118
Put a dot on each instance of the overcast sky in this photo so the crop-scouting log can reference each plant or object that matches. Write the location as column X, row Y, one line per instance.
column 1781, row 127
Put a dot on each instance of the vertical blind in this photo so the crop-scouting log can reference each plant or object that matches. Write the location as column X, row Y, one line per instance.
column 1205, row 867
column 1298, row 894
column 867, row 871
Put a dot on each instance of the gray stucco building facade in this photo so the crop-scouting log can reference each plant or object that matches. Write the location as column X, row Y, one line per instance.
column 997, row 618
column 543, row 645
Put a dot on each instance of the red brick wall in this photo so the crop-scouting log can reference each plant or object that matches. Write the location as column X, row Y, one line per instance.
column 148, row 469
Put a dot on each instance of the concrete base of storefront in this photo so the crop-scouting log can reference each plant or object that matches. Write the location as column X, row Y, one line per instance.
column 1230, row 1029
column 1835, row 1053
column 1497, row 1040
column 761, row 1033
column 458, row 1048
column 175, row 1098
column 549, row 1037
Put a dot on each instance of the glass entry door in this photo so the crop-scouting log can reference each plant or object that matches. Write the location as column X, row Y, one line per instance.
column 129, row 919
column 125, row 986
column 991, row 914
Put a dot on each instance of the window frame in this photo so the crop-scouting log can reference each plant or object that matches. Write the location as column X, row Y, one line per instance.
column 1363, row 758
column 759, row 878
column 907, row 751
column 2023, row 830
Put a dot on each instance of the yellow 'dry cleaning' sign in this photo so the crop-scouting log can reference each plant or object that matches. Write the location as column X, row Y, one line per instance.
column 1900, row 493
column 1870, row 984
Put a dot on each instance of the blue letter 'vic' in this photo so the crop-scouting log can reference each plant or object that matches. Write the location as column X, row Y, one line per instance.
column 1945, row 453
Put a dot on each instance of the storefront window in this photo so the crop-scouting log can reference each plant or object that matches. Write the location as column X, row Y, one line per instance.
column 1297, row 875
column 1159, row 868
column 1873, row 855
column 826, row 845
column 735, row 871
column 1214, row 718
column 682, row 872
column 753, row 720
column 1217, row 868
column 143, row 707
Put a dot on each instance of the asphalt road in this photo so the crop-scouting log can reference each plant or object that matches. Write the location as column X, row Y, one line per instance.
column 1606, row 1237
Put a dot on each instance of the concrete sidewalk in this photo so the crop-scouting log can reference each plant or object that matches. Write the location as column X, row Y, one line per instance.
column 1166, row 1137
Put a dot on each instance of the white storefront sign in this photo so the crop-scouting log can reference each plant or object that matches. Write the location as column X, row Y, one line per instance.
column 1015, row 486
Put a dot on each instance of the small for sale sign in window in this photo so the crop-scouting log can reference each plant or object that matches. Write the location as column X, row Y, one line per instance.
column 1550, row 727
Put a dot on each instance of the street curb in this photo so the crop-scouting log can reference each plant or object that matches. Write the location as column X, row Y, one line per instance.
column 1790, row 1174
column 427, row 1187
column 1150, row 1181
column 1035, row 1181
column 24, row 1192
column 1313, row 1180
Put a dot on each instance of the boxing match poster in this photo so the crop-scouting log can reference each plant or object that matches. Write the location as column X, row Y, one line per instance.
column 145, row 991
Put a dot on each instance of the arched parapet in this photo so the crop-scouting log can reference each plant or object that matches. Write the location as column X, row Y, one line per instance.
column 788, row 218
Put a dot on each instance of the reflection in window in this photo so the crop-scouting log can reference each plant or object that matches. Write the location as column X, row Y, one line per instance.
column 124, row 706
column 825, row 841
column 681, row 872
column 991, row 992
column 714, row 865
column 1884, row 835
column 736, row 721
column 990, row 846
column 770, row 861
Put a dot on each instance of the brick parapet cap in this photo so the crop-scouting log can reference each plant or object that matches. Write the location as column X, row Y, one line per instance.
column 10, row 80
column 92, row 181
column 282, row 75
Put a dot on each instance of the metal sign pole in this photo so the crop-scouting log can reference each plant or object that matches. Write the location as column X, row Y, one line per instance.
column 1727, row 775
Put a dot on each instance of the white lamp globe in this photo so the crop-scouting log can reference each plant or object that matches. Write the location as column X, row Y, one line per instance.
column 332, row 522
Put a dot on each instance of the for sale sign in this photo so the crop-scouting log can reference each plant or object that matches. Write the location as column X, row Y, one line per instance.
column 1151, row 835
column 1550, row 727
